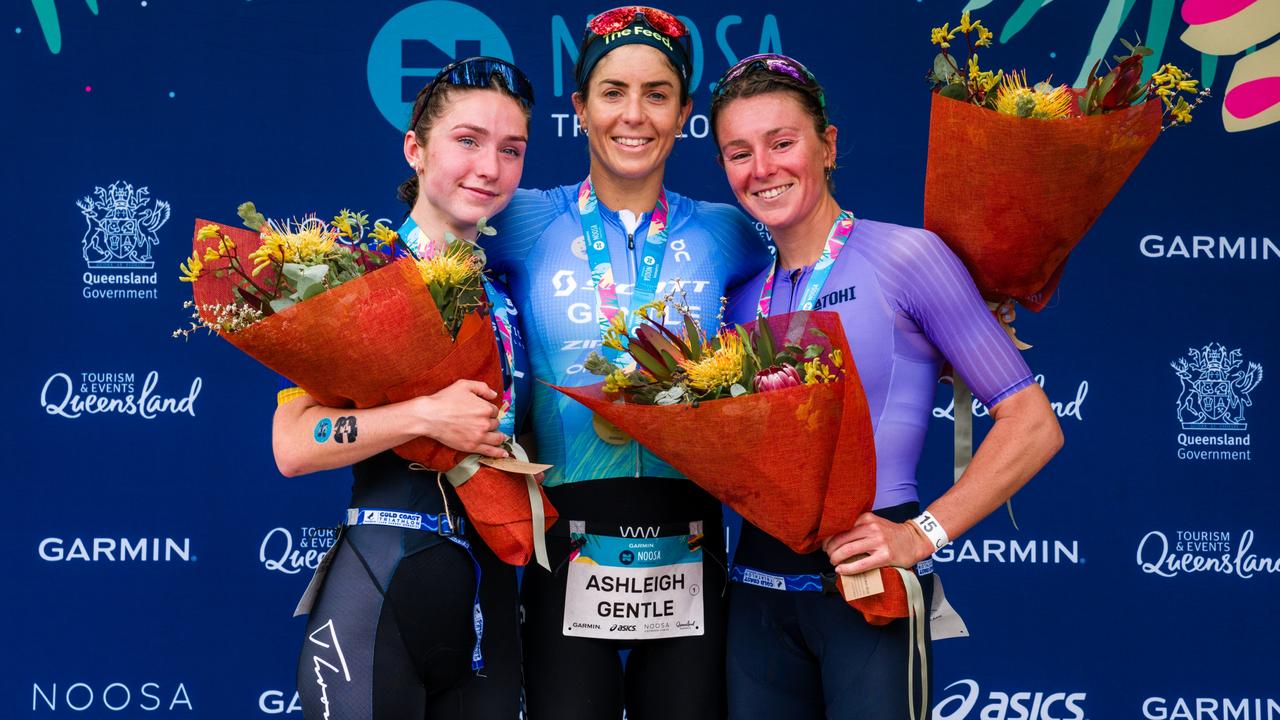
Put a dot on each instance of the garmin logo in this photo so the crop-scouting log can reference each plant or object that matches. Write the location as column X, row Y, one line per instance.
column 155, row 549
column 114, row 697
column 1158, row 708
column 966, row 703
column 272, row 702
column 1029, row 552
column 1208, row 247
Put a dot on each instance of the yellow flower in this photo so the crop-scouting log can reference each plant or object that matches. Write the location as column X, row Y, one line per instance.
column 964, row 25
column 192, row 269
column 454, row 267
column 984, row 36
column 984, row 80
column 209, row 232
column 837, row 358
column 816, row 372
column 717, row 370
column 940, row 36
column 271, row 251
column 657, row 307
column 1182, row 111
column 616, row 381
column 342, row 222
column 385, row 236
column 1015, row 98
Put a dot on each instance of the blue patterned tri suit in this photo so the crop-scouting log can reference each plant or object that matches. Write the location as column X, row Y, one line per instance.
column 540, row 251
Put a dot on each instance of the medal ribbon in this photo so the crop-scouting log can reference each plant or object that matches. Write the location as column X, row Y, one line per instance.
column 499, row 316
column 836, row 239
column 653, row 253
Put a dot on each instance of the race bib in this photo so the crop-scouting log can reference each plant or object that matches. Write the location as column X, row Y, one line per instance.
column 634, row 588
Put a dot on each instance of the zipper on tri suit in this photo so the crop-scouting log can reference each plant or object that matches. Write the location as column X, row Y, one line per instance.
column 631, row 246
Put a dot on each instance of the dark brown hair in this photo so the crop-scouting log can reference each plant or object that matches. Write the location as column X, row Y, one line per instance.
column 762, row 81
column 437, row 101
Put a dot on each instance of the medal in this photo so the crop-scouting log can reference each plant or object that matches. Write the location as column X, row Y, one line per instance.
column 609, row 432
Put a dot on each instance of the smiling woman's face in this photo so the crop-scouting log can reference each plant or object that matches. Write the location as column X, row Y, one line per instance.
column 774, row 158
column 632, row 112
column 472, row 160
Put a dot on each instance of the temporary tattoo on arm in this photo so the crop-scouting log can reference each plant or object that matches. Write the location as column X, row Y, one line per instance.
column 344, row 431
column 323, row 430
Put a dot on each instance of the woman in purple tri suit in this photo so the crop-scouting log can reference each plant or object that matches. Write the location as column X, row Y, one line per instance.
column 908, row 306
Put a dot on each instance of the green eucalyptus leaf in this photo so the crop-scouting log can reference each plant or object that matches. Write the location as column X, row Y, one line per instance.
column 280, row 304
column 293, row 271
column 812, row 352
column 942, row 68
column 955, row 91
column 737, row 390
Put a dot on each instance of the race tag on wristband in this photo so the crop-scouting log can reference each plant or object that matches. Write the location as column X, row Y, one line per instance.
column 635, row 588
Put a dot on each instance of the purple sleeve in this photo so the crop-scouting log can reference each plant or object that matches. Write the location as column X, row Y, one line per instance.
column 934, row 289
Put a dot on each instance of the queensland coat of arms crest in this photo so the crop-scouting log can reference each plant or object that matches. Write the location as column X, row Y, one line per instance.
column 1215, row 391
column 123, row 222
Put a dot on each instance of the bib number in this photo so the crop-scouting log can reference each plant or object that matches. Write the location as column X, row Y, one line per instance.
column 635, row 588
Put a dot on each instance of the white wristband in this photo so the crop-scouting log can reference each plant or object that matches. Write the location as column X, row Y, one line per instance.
column 932, row 529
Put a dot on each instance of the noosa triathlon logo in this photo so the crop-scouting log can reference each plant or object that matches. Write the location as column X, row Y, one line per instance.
column 113, row 697
column 280, row 552
column 420, row 40
column 966, row 702
column 1158, row 708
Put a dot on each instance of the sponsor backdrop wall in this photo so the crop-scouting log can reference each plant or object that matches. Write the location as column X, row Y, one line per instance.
column 153, row 555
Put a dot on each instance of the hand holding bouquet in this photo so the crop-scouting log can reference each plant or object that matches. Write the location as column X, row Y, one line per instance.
column 334, row 311
column 768, row 417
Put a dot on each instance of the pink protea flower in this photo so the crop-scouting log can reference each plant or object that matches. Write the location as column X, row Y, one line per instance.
column 776, row 377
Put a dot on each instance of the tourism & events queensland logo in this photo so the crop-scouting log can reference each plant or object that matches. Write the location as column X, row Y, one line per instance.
column 1216, row 387
column 420, row 40
column 123, row 225
column 283, row 552
column 73, row 395
column 1219, row 552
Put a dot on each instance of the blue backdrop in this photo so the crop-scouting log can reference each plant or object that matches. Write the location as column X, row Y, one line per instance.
column 153, row 554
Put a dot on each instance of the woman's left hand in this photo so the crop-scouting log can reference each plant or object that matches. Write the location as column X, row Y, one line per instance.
column 885, row 543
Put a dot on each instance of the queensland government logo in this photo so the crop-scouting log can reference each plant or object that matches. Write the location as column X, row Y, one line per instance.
column 420, row 40
column 123, row 225
column 1215, row 392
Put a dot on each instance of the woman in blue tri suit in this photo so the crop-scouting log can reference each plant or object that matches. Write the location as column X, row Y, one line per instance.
column 630, row 525
column 422, row 621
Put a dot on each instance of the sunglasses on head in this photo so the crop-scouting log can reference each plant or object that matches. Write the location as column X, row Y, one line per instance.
column 774, row 63
column 478, row 72
column 616, row 19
